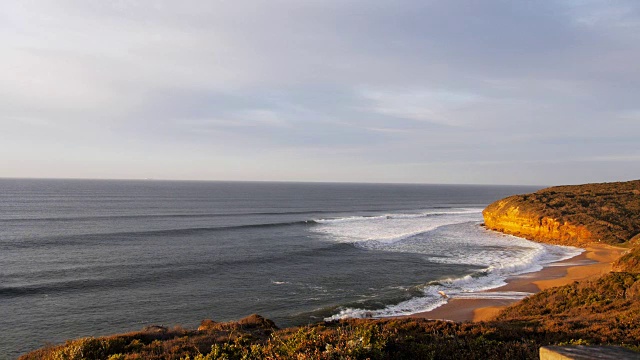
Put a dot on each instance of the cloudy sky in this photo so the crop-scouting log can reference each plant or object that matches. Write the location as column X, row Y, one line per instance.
column 503, row 92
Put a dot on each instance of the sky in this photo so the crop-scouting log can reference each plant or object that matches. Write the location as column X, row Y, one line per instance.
column 469, row 92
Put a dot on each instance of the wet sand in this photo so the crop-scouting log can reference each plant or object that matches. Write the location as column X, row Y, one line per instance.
column 595, row 261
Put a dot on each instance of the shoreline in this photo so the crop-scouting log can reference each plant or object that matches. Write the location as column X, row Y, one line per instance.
column 596, row 260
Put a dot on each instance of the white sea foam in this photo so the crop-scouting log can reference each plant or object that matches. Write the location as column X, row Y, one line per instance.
column 390, row 228
column 398, row 216
column 405, row 308
column 448, row 237
column 279, row 282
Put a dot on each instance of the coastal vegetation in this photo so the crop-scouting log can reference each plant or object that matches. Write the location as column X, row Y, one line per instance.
column 630, row 262
column 571, row 215
column 605, row 310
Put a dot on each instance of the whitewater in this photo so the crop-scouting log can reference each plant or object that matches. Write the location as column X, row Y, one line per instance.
column 453, row 236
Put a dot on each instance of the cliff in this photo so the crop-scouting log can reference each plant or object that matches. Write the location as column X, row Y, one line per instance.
column 571, row 215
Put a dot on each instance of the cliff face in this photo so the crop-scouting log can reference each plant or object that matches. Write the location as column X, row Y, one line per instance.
column 512, row 216
column 570, row 215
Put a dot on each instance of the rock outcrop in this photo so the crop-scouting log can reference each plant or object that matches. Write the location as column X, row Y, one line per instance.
column 570, row 215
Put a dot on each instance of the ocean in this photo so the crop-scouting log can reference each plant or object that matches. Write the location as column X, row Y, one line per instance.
column 96, row 257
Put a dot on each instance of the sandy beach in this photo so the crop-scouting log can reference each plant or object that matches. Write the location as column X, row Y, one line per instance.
column 595, row 261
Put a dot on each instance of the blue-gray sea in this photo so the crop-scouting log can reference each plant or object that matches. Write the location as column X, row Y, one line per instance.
column 93, row 257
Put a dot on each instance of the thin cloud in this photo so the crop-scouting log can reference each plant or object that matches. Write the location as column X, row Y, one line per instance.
column 265, row 85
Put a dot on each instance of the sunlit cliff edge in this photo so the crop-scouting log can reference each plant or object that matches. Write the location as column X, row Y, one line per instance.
column 571, row 215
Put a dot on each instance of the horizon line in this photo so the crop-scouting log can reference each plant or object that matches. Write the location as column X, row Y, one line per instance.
column 263, row 181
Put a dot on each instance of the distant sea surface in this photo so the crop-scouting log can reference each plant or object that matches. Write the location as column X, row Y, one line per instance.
column 89, row 257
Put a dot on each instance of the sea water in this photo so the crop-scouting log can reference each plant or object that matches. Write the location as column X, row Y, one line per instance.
column 89, row 257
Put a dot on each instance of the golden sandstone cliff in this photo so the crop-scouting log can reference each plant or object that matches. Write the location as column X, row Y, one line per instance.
column 513, row 216
column 571, row 215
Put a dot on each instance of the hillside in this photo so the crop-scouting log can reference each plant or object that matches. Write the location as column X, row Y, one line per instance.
column 571, row 215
